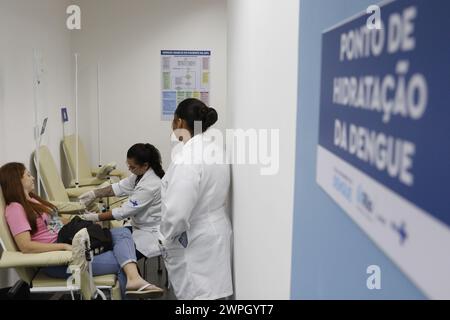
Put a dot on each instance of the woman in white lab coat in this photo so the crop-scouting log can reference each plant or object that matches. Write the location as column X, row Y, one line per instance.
column 195, row 231
column 143, row 206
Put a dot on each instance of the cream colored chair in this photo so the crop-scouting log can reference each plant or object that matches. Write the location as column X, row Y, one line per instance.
column 60, row 196
column 87, row 175
column 52, row 182
column 28, row 265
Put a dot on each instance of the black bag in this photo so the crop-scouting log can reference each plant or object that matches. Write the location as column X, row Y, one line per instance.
column 101, row 239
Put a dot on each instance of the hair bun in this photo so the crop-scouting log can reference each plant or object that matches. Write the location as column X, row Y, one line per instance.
column 204, row 111
column 210, row 118
column 192, row 110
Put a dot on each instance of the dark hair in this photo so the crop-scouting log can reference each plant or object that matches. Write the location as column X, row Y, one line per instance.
column 11, row 183
column 192, row 110
column 147, row 154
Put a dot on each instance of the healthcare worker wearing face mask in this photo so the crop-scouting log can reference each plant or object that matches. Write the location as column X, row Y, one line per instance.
column 143, row 206
column 195, row 231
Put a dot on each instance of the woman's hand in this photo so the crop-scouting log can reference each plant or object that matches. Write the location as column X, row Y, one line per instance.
column 67, row 247
column 91, row 217
column 87, row 198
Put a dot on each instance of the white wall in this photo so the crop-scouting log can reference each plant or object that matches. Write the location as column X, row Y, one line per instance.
column 262, row 94
column 25, row 25
column 126, row 37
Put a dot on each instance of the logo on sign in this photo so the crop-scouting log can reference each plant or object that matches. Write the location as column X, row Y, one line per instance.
column 401, row 231
column 343, row 187
column 364, row 200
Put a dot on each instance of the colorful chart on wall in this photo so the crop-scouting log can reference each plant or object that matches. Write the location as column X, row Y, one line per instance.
column 184, row 74
column 384, row 134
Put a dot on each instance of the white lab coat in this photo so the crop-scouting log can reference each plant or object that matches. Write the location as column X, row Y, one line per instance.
column 193, row 197
column 144, row 209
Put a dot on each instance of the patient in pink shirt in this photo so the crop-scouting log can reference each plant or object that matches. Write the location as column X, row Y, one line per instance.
column 47, row 227
column 35, row 224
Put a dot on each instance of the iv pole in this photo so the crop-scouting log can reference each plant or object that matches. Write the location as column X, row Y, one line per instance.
column 77, row 179
column 98, row 118
column 99, row 140
column 99, row 132
column 36, row 83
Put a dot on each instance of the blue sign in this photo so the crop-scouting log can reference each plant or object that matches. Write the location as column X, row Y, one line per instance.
column 384, row 133
column 65, row 117
column 386, row 94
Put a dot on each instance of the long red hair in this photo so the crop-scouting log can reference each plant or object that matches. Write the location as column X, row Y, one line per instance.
column 11, row 183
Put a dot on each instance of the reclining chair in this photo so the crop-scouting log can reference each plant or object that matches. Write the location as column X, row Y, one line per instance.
column 27, row 265
column 51, row 180
column 60, row 196
column 87, row 176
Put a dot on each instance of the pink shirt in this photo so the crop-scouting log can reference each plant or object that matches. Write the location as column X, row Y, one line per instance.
column 18, row 223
